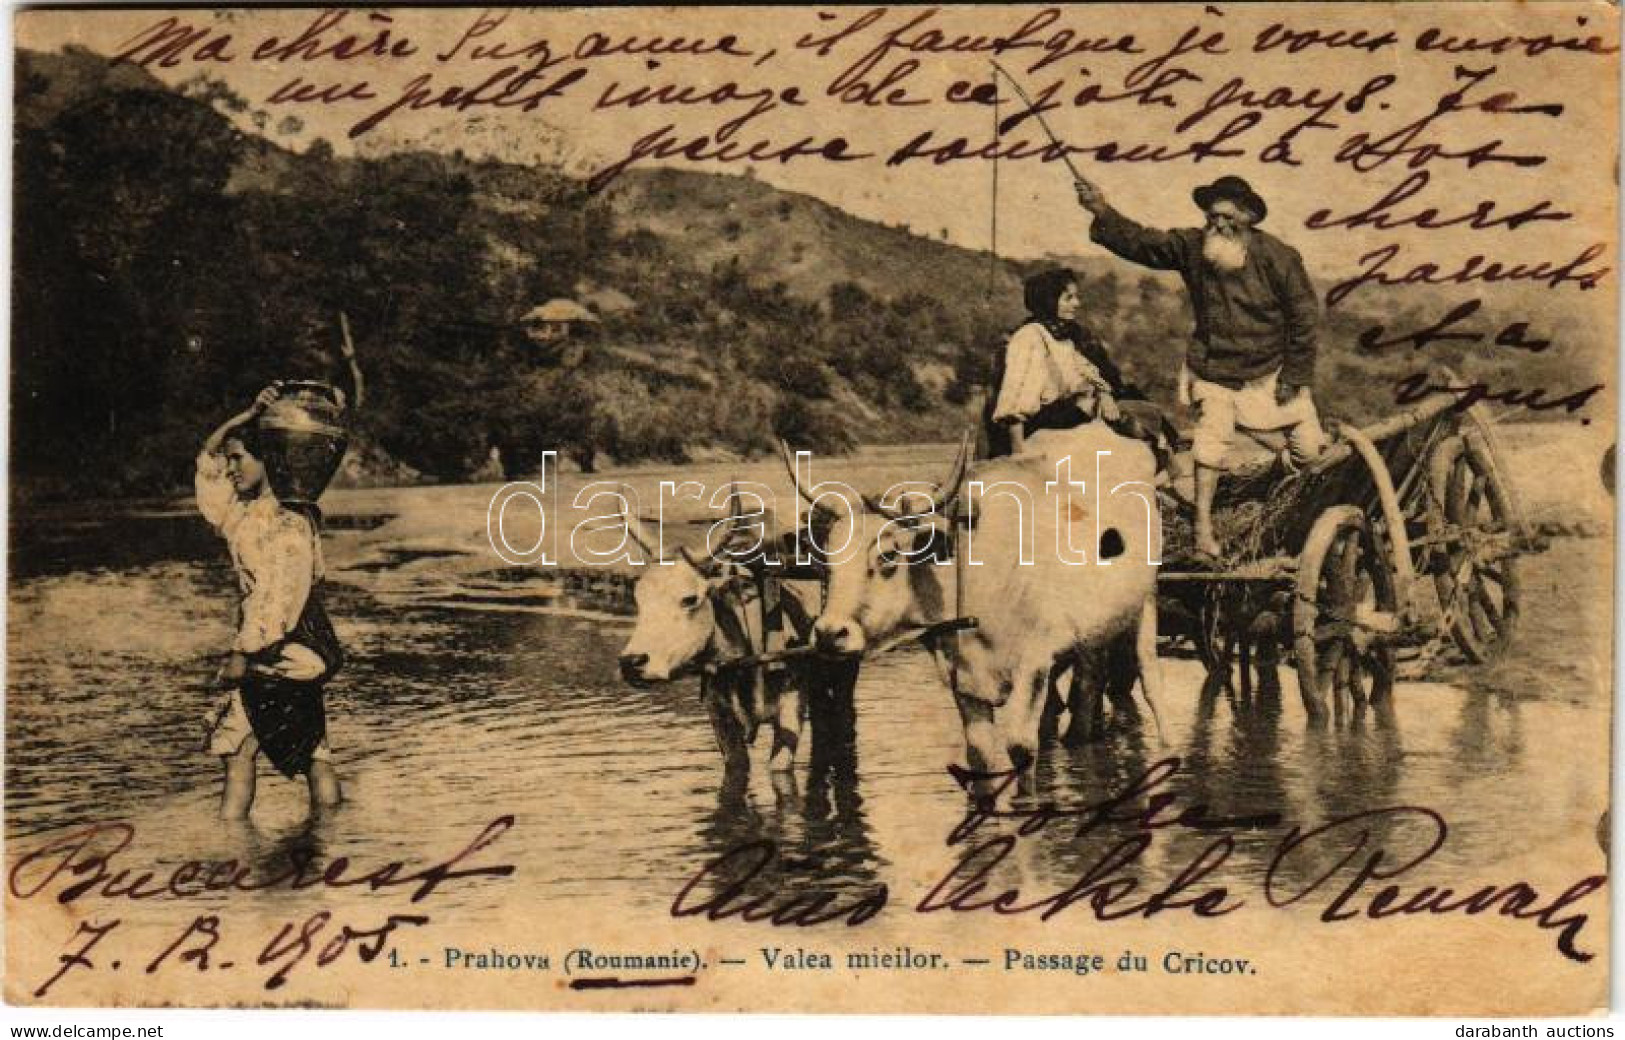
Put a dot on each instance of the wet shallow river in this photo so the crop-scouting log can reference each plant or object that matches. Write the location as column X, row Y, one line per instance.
column 475, row 690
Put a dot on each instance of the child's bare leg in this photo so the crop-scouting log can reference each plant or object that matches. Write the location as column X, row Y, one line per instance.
column 325, row 791
column 241, row 770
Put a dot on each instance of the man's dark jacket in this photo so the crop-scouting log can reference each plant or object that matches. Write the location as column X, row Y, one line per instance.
column 1249, row 322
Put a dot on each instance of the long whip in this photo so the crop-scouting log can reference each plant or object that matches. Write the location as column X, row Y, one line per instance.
column 1032, row 106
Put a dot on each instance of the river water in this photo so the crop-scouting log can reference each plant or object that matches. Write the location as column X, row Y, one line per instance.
column 476, row 689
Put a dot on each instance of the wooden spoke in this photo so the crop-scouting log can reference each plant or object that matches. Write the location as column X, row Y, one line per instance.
column 1348, row 570
column 1481, row 597
column 1475, row 495
column 1474, row 503
column 1341, row 570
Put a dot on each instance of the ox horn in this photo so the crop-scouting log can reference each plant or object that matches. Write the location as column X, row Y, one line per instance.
column 634, row 527
column 943, row 498
column 948, row 491
column 735, row 513
column 790, row 465
column 733, row 529
column 706, row 566
column 736, row 527
column 874, row 505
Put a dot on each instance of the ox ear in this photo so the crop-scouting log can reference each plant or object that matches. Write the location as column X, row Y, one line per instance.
column 635, row 528
column 932, row 543
column 924, row 542
column 874, row 505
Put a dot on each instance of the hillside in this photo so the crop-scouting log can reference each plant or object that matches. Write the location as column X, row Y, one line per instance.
column 804, row 242
column 168, row 264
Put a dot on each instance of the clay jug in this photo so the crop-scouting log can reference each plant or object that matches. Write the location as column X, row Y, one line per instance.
column 303, row 439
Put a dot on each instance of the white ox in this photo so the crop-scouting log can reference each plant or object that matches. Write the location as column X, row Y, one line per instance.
column 1034, row 617
column 694, row 612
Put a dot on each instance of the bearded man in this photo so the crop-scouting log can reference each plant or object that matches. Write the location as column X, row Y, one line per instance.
column 1251, row 361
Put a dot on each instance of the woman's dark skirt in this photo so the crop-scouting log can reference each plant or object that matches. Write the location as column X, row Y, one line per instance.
column 290, row 717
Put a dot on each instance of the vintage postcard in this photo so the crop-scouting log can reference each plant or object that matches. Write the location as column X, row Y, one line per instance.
column 1102, row 508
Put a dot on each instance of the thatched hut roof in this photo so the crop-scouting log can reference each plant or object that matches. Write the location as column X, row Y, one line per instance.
column 560, row 311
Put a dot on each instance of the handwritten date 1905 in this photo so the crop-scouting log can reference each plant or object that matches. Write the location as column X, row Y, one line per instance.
column 82, row 867
column 196, row 946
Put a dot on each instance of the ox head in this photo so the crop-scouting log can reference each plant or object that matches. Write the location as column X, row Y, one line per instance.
column 874, row 550
column 676, row 627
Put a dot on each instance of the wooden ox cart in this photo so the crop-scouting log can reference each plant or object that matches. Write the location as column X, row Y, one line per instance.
column 1403, row 535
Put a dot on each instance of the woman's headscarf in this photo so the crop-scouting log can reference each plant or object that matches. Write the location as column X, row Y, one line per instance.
column 1042, row 294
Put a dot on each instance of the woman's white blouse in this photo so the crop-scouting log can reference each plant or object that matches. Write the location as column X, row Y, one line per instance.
column 1039, row 369
column 275, row 551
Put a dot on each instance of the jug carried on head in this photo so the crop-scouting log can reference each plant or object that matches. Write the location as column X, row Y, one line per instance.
column 303, row 440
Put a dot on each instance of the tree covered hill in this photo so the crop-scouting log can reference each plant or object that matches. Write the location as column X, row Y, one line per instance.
column 167, row 265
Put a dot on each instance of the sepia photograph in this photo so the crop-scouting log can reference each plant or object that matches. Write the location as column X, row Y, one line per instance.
column 978, row 510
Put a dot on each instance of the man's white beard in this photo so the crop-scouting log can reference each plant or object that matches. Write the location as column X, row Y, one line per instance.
column 1224, row 252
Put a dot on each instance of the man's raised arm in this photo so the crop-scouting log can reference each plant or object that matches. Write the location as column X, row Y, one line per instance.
column 1148, row 247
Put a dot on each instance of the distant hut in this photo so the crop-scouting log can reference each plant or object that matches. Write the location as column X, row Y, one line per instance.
column 557, row 320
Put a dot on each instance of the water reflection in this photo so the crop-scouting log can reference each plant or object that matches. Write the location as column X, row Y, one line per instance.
column 1488, row 735
column 824, row 841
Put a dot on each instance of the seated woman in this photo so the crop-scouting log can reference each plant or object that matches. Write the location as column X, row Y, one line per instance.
column 1055, row 380
column 1056, row 374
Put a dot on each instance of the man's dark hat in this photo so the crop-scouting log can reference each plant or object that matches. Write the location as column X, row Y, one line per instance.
column 1231, row 189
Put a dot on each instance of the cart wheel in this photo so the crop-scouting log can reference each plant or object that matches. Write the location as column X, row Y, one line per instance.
column 1476, row 582
column 1342, row 579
